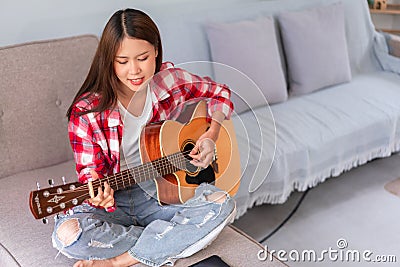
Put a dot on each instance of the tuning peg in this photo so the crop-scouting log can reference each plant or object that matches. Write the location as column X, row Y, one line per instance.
column 70, row 212
column 45, row 220
column 38, row 185
column 64, row 181
column 51, row 182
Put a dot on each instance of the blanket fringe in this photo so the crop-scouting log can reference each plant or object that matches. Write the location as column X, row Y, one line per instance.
column 310, row 182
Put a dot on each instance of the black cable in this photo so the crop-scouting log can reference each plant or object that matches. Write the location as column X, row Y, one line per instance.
column 287, row 218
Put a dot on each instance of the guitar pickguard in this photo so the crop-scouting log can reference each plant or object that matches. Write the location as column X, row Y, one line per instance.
column 205, row 176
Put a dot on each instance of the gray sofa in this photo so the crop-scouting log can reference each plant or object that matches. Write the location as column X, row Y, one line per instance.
column 35, row 149
column 311, row 135
column 290, row 145
column 34, row 139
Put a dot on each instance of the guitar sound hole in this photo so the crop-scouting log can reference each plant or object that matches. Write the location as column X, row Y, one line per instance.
column 190, row 168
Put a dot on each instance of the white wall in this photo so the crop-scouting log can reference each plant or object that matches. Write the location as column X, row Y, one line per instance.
column 30, row 20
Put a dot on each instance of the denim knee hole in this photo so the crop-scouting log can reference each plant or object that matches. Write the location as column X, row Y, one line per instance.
column 217, row 197
column 68, row 232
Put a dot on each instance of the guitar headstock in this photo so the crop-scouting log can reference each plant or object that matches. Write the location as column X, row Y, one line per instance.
column 55, row 199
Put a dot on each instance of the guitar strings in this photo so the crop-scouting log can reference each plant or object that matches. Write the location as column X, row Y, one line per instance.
column 128, row 173
column 142, row 169
column 156, row 168
column 170, row 164
column 119, row 179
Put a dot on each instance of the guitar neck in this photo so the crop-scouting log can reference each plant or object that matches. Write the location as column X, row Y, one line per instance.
column 48, row 201
column 147, row 171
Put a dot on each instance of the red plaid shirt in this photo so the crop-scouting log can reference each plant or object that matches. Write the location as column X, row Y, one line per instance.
column 96, row 137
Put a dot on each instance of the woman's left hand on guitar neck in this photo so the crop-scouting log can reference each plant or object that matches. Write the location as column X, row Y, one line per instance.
column 104, row 198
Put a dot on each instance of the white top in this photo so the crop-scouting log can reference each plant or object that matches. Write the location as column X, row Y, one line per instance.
column 129, row 150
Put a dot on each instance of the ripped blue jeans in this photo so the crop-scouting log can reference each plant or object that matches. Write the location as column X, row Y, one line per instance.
column 153, row 234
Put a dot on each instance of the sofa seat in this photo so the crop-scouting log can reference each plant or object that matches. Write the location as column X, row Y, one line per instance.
column 318, row 135
column 26, row 239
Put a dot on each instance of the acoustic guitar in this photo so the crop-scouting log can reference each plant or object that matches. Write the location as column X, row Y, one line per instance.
column 164, row 149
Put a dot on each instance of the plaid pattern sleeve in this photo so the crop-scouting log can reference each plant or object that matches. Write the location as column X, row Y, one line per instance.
column 184, row 86
column 88, row 154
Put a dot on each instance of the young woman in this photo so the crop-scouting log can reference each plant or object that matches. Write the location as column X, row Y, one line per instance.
column 127, row 87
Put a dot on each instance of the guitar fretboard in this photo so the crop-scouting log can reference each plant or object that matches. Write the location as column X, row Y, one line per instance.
column 150, row 170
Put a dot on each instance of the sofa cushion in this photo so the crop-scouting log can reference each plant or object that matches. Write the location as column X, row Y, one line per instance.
column 315, row 46
column 250, row 46
column 185, row 40
column 38, row 83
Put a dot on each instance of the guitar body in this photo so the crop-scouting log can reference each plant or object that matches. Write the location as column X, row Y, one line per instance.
column 168, row 137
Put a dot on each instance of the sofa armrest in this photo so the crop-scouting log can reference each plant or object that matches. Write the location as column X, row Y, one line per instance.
column 388, row 58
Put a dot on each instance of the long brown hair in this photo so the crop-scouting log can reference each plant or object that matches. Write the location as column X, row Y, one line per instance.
column 101, row 78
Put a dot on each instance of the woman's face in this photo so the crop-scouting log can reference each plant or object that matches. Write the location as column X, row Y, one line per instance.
column 135, row 62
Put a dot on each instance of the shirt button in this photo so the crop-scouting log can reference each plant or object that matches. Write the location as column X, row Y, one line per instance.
column 58, row 102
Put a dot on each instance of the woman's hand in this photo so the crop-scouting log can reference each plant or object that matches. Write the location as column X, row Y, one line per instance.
column 203, row 152
column 104, row 198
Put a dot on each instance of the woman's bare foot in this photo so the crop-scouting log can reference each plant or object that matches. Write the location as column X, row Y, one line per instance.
column 93, row 263
column 123, row 260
